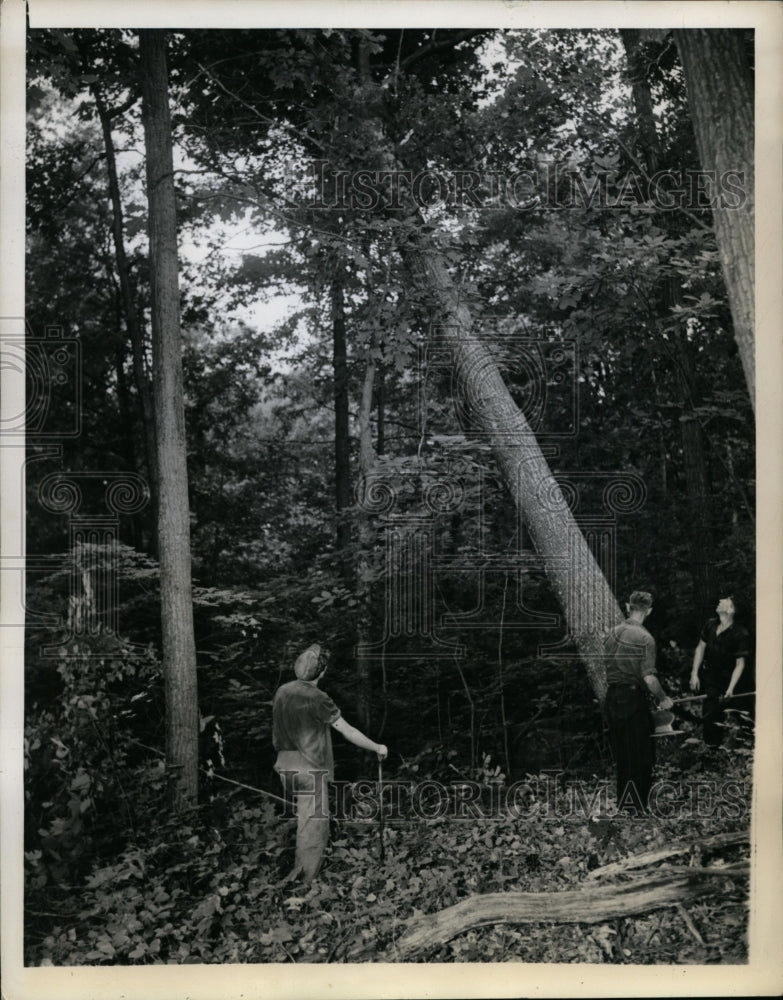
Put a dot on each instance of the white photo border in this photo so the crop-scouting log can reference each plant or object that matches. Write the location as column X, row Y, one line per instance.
column 763, row 975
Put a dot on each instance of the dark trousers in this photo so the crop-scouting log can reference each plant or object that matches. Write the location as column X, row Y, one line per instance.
column 630, row 732
column 712, row 712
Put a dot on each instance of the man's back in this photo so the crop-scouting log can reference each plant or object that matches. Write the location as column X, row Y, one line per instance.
column 630, row 651
column 302, row 715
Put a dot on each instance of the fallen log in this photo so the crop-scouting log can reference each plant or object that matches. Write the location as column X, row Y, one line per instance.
column 740, row 869
column 582, row 906
column 706, row 845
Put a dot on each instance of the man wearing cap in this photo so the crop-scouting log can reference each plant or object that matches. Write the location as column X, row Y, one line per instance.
column 302, row 719
column 631, row 674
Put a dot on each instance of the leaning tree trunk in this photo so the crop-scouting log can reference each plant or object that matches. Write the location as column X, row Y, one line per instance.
column 179, row 651
column 719, row 81
column 587, row 601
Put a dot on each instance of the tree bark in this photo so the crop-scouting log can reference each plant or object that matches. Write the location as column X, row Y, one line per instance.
column 701, row 540
column 342, row 443
column 719, row 81
column 588, row 604
column 179, row 651
column 126, row 412
column 364, row 567
column 707, row 845
column 381, row 407
column 578, row 906
column 642, row 98
column 128, row 299
column 700, row 508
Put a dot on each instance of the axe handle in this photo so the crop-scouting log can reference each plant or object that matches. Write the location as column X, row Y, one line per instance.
column 701, row 697
column 380, row 808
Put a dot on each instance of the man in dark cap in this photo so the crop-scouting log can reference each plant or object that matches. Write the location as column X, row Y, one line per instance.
column 631, row 675
column 303, row 717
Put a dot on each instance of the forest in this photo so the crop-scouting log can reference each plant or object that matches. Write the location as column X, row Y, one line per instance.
column 431, row 346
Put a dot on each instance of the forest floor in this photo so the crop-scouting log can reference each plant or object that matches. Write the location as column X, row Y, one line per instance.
column 216, row 892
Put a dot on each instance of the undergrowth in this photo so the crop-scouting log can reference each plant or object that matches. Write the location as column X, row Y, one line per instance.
column 214, row 890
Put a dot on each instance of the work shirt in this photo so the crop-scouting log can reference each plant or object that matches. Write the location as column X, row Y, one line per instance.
column 722, row 651
column 630, row 652
column 302, row 716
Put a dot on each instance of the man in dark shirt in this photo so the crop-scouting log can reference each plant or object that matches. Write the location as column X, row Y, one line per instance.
column 718, row 664
column 303, row 717
column 631, row 674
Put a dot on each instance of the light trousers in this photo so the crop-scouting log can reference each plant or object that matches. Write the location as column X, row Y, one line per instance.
column 308, row 788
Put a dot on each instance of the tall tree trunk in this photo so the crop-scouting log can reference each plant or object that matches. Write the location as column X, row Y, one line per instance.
column 132, row 325
column 123, row 393
column 588, row 604
column 642, row 98
column 342, row 443
column 179, row 650
column 364, row 567
column 128, row 442
column 719, row 81
column 381, row 406
column 700, row 510
column 700, row 538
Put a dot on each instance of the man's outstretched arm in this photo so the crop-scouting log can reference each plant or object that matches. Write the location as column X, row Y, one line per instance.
column 358, row 738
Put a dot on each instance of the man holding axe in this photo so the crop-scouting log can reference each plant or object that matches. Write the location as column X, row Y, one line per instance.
column 631, row 675
column 303, row 717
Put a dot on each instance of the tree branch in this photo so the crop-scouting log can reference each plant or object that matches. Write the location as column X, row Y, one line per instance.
column 713, row 843
column 582, row 906
column 433, row 47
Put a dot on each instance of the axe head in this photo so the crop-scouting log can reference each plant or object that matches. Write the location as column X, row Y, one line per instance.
column 662, row 720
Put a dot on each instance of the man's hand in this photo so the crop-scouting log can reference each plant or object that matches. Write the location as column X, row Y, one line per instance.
column 665, row 703
column 695, row 685
column 382, row 751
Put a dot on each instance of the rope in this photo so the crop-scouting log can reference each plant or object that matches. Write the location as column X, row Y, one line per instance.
column 220, row 777
column 250, row 788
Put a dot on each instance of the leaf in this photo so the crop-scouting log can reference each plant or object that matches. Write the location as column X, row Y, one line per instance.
column 603, row 936
column 281, row 934
column 81, row 782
